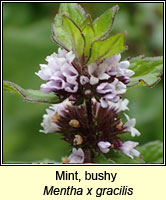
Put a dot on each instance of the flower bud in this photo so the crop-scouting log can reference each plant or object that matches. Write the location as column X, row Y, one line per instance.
column 65, row 160
column 77, row 140
column 74, row 123
column 119, row 126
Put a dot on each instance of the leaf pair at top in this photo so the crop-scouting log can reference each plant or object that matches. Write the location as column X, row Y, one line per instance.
column 73, row 29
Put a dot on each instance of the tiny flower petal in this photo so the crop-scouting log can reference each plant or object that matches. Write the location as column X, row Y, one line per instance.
column 77, row 156
column 72, row 88
column 98, row 72
column 45, row 73
column 130, row 126
column 84, row 80
column 121, row 105
column 93, row 80
column 134, row 132
column 53, row 86
column 104, row 146
column 104, row 88
column 120, row 87
column 128, row 149
column 69, row 72
column 104, row 103
column 124, row 64
column 114, row 60
column 48, row 125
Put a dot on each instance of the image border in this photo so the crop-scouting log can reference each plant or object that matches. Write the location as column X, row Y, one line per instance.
column 148, row 164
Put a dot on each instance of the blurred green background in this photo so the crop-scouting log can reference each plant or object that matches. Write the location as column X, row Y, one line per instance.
column 26, row 43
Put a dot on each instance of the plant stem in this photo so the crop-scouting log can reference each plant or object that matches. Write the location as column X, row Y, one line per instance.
column 89, row 112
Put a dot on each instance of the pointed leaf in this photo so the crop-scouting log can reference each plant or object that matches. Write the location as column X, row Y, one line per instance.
column 87, row 20
column 89, row 38
column 73, row 11
column 59, row 34
column 152, row 152
column 102, row 49
column 30, row 95
column 103, row 24
column 148, row 71
column 76, row 36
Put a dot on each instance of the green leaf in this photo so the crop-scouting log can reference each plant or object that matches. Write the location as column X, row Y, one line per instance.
column 87, row 20
column 148, row 71
column 88, row 33
column 152, row 152
column 73, row 11
column 103, row 24
column 77, row 38
column 59, row 35
column 102, row 49
column 30, row 95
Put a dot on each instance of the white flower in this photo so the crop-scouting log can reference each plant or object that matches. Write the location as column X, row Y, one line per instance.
column 128, row 149
column 121, row 105
column 98, row 72
column 49, row 120
column 106, row 99
column 123, row 70
column 77, row 156
column 129, row 125
column 120, row 88
column 104, row 146
column 47, row 124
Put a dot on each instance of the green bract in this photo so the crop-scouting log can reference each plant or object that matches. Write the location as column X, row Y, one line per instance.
column 74, row 30
column 102, row 49
column 76, row 36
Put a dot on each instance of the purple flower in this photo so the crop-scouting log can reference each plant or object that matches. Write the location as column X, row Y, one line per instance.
column 104, row 146
column 98, row 72
column 77, row 156
column 111, row 91
column 59, row 73
column 104, row 88
column 119, row 67
column 84, row 80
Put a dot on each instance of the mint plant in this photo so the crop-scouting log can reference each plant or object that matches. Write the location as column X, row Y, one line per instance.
column 85, row 81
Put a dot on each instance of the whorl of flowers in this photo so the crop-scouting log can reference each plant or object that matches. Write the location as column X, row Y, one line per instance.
column 89, row 117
